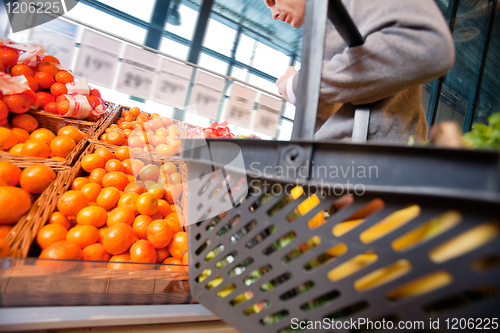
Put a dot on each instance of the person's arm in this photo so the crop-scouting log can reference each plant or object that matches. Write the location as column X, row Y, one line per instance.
column 407, row 43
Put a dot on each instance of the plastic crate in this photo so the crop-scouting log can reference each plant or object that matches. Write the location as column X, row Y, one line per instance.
column 307, row 240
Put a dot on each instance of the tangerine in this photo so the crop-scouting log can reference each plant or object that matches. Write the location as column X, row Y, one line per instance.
column 91, row 190
column 174, row 225
column 116, row 179
column 73, row 132
column 83, row 235
column 36, row 178
column 71, row 202
column 4, row 248
column 95, row 252
column 135, row 187
column 35, row 148
column 124, row 257
column 159, row 233
column 10, row 173
column 128, row 200
column 163, row 208
column 140, row 226
column 115, row 138
column 25, row 121
column 113, row 165
column 178, row 246
column 50, row 234
column 79, row 182
column 7, row 139
column 162, row 254
column 121, row 215
column 15, row 203
column 108, row 198
column 17, row 149
column 59, row 218
column 92, row 161
column 123, row 153
column 62, row 250
column 96, row 176
column 143, row 251
column 104, row 153
column 147, row 204
column 118, row 238
column 43, row 135
column 92, row 215
column 172, row 265
column 21, row 134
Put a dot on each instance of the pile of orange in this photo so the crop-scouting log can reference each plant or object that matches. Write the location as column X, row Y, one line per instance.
column 144, row 133
column 121, row 211
column 16, row 190
column 23, row 137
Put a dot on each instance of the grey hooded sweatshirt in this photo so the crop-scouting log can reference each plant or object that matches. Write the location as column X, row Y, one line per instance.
column 407, row 43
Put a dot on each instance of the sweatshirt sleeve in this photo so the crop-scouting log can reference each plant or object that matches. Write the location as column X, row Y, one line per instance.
column 407, row 43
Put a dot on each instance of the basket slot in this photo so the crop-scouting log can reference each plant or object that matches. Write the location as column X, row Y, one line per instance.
column 465, row 242
column 320, row 301
column 352, row 266
column 214, row 253
column 226, row 291
column 300, row 289
column 305, row 247
column 227, row 260
column 257, row 274
column 383, row 275
column 276, row 282
column 326, row 257
column 357, row 218
column 228, row 226
column 214, row 283
column 420, row 286
column 240, row 268
column 241, row 298
column 205, row 274
column 274, row 318
column 462, row 299
column 243, row 231
column 486, row 263
column 257, row 307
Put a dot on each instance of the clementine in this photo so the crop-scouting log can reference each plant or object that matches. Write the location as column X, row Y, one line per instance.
column 118, row 238
column 50, row 234
column 71, row 202
column 159, row 233
column 36, row 178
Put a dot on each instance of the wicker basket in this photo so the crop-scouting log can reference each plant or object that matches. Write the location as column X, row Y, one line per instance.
column 54, row 123
column 24, row 232
column 27, row 282
column 113, row 118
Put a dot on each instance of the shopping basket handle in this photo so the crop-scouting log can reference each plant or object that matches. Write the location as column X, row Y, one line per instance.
column 312, row 64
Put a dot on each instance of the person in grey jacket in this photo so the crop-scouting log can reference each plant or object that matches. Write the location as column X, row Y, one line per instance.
column 407, row 43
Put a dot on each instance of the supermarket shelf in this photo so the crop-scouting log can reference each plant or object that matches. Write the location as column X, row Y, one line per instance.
column 43, row 318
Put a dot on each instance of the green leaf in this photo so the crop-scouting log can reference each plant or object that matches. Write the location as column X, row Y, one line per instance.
column 494, row 119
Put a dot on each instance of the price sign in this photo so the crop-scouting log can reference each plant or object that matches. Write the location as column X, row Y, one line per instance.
column 267, row 117
column 98, row 58
column 171, row 86
column 240, row 107
column 59, row 39
column 138, row 72
column 207, row 94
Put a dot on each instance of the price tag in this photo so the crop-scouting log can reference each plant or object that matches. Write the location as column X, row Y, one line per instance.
column 171, row 86
column 207, row 94
column 98, row 58
column 137, row 72
column 267, row 117
column 240, row 108
column 59, row 39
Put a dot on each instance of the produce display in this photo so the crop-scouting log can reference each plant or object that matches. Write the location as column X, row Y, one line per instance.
column 144, row 133
column 32, row 78
column 484, row 136
column 214, row 131
column 121, row 210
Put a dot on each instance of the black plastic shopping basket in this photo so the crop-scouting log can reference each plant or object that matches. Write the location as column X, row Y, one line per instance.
column 318, row 236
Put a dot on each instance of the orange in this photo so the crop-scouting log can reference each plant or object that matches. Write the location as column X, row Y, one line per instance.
column 134, row 111
column 157, row 191
column 71, row 202
column 35, row 148
column 64, row 77
column 10, row 173
column 130, row 179
column 162, row 254
column 103, row 137
column 149, row 172
column 36, row 178
column 18, row 70
column 116, row 179
column 21, row 134
column 121, row 215
column 5, row 230
column 83, row 235
column 118, row 238
column 128, row 200
column 135, row 187
column 72, row 132
column 95, row 252
column 143, row 251
column 140, row 226
column 125, row 125
column 92, row 215
column 115, row 138
column 113, row 165
column 96, row 176
column 17, row 149
column 50, row 234
column 124, row 257
column 178, row 246
column 147, row 204
column 18, row 103
column 105, row 153
column 166, row 121
column 176, row 178
column 62, row 146
column 7, row 139
column 185, row 259
column 156, row 216
column 102, row 231
column 173, row 193
column 157, row 140
column 48, row 68
column 165, row 150
column 44, row 135
column 123, row 153
column 172, row 265
column 174, row 225
column 79, row 182
column 58, row 218
column 92, row 161
column 176, row 217
column 3, row 182
column 15, row 203
column 108, row 198
column 52, row 59
column 91, row 190
column 132, row 167
column 159, row 233
column 25, row 121
column 169, row 168
column 4, row 248
column 62, row 250
column 163, row 208
column 162, row 131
